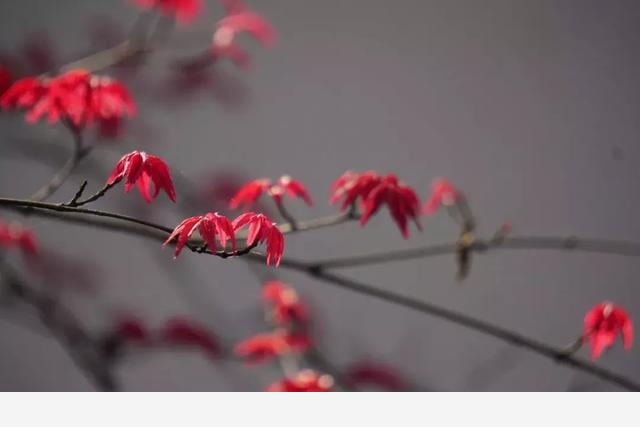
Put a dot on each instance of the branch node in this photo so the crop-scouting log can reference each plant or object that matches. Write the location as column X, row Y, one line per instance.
column 315, row 270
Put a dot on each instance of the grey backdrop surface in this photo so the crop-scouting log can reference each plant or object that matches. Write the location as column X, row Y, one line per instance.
column 530, row 106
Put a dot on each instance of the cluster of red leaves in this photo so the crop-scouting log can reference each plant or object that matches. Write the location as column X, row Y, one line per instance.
column 142, row 169
column 284, row 305
column 176, row 332
column 602, row 324
column 238, row 19
column 303, row 381
column 289, row 315
column 249, row 193
column 212, row 225
column 261, row 229
column 16, row 236
column 289, row 339
column 373, row 191
column 367, row 190
column 77, row 98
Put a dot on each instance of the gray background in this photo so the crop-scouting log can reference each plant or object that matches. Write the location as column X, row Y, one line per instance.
column 530, row 106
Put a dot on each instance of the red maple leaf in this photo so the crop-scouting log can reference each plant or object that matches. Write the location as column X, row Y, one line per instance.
column 602, row 324
column 143, row 170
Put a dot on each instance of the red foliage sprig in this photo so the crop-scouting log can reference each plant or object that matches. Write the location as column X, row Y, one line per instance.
column 249, row 193
column 210, row 226
column 443, row 193
column 15, row 235
column 76, row 97
column 142, row 170
column 602, row 325
column 240, row 20
column 261, row 229
column 285, row 305
column 373, row 191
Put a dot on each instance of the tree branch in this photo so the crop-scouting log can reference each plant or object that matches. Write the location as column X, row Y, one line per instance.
column 134, row 44
column 78, row 344
column 67, row 169
column 559, row 355
column 29, row 205
column 76, row 202
column 571, row 243
column 67, row 212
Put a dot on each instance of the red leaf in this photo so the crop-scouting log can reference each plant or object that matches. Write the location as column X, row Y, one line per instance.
column 603, row 323
column 209, row 226
column 143, row 169
column 443, row 193
column 285, row 303
column 75, row 96
column 260, row 230
column 374, row 191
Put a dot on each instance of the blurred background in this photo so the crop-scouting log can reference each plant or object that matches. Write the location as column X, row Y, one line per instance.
column 530, row 107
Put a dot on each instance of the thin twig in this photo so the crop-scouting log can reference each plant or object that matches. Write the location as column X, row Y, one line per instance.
column 105, row 58
column 314, row 224
column 99, row 194
column 78, row 194
column 138, row 42
column 573, row 348
column 78, row 153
